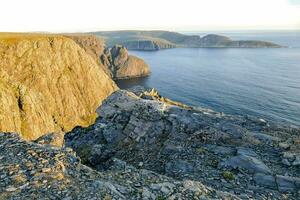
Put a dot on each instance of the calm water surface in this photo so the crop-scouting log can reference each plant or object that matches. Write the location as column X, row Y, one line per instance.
column 259, row 82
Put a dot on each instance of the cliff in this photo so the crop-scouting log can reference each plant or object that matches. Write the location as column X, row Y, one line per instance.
column 155, row 40
column 93, row 45
column 147, row 44
column 122, row 65
column 116, row 62
column 48, row 84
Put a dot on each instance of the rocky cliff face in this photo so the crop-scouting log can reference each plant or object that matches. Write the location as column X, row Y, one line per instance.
column 116, row 62
column 122, row 65
column 93, row 45
column 148, row 45
column 48, row 84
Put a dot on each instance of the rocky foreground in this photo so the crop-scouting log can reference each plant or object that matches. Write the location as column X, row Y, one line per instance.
column 30, row 170
column 144, row 146
column 245, row 156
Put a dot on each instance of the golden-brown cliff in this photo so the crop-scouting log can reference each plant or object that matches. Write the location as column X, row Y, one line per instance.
column 115, row 61
column 48, row 84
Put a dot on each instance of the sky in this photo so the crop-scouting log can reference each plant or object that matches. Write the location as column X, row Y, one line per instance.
column 177, row 15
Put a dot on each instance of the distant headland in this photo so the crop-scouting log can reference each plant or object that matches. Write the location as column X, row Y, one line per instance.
column 156, row 40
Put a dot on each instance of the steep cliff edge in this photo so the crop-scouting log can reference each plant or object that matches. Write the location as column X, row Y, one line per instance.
column 94, row 46
column 116, row 62
column 48, row 84
column 122, row 65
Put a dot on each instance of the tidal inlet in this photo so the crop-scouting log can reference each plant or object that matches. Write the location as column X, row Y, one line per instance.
column 197, row 100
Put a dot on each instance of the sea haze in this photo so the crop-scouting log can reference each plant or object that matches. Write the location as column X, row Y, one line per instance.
column 259, row 82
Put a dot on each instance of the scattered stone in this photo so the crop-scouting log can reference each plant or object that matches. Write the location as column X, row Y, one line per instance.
column 284, row 145
column 46, row 170
column 286, row 162
column 147, row 195
column 11, row 189
column 296, row 161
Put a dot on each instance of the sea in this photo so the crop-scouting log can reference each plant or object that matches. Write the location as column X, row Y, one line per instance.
column 261, row 82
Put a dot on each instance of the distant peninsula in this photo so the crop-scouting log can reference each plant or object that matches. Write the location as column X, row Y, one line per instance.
column 156, row 40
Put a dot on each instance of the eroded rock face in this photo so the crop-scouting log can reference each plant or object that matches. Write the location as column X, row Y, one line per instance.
column 48, row 84
column 115, row 61
column 93, row 45
column 122, row 65
column 236, row 154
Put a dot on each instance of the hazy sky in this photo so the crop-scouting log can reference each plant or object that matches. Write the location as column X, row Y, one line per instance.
column 88, row 15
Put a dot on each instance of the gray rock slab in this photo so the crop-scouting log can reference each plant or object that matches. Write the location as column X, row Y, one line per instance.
column 249, row 163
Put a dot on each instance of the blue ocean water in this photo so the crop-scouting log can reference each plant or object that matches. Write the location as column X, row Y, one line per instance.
column 259, row 82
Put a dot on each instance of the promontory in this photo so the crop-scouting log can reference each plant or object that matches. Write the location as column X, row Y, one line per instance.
column 155, row 40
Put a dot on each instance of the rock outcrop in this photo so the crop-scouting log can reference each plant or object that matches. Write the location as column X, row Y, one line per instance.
column 48, row 84
column 115, row 61
column 235, row 154
column 122, row 65
column 33, row 171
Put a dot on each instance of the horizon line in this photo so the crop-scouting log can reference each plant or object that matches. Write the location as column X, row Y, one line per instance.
column 152, row 29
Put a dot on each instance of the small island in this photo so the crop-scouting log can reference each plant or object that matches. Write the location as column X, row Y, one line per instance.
column 156, row 40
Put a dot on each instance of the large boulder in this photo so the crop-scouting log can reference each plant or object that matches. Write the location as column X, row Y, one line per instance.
column 48, row 84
